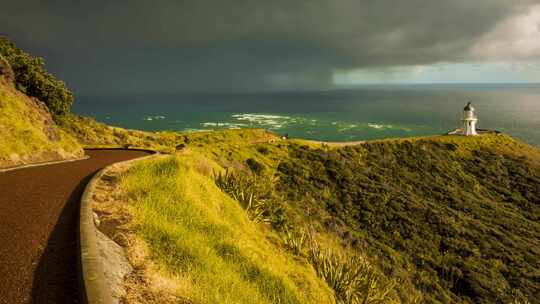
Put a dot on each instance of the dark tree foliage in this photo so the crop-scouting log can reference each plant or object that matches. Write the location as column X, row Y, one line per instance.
column 254, row 166
column 460, row 228
column 5, row 69
column 32, row 79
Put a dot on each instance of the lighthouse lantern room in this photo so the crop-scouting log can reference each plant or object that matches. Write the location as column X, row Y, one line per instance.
column 469, row 121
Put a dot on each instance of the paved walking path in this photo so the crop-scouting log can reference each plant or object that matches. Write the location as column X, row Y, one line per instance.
column 39, row 211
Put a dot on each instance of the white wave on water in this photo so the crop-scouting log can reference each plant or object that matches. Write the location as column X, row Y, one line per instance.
column 258, row 117
column 226, row 125
column 346, row 127
column 157, row 117
column 270, row 121
column 191, row 130
column 274, row 122
column 385, row 127
column 379, row 126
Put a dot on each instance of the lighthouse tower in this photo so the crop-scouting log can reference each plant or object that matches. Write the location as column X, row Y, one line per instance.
column 469, row 121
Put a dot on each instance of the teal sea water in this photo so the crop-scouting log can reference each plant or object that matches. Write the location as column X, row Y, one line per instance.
column 340, row 115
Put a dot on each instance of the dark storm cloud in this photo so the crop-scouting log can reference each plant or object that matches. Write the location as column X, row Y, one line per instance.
column 197, row 44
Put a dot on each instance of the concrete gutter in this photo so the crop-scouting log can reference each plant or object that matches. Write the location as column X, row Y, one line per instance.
column 94, row 288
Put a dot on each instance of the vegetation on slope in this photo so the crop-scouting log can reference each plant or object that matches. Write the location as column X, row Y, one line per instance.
column 456, row 218
column 203, row 239
column 93, row 134
column 28, row 133
column 352, row 277
column 448, row 219
column 32, row 79
column 174, row 192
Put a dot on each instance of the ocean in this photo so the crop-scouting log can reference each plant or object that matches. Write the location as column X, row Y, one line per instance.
column 365, row 113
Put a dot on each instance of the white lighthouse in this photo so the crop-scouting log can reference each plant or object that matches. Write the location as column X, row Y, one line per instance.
column 469, row 121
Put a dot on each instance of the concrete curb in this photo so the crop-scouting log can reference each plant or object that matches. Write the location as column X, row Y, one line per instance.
column 2, row 170
column 93, row 286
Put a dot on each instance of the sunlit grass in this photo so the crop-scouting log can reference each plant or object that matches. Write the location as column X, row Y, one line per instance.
column 199, row 233
column 93, row 134
column 22, row 128
column 204, row 227
column 353, row 278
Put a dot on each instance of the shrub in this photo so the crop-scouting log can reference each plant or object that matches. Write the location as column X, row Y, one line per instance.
column 243, row 192
column 32, row 79
column 443, row 216
column 263, row 150
column 255, row 166
column 295, row 241
column 252, row 197
column 5, row 69
column 353, row 279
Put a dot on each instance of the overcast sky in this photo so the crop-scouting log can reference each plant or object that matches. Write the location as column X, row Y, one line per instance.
column 116, row 47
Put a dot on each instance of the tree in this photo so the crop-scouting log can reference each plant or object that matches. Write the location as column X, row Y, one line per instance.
column 32, row 79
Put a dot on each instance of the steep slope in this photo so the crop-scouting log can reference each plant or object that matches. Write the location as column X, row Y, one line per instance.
column 455, row 217
column 28, row 133
column 205, row 246
column 212, row 247
column 448, row 219
column 93, row 134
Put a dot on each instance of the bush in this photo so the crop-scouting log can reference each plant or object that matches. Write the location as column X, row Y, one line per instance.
column 263, row 150
column 295, row 241
column 252, row 196
column 255, row 166
column 32, row 79
column 445, row 217
column 5, row 69
column 353, row 279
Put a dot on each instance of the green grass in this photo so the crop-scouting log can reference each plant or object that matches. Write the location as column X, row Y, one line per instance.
column 441, row 219
column 93, row 134
column 353, row 278
column 28, row 134
column 444, row 215
column 31, row 78
column 454, row 218
column 217, row 244
column 203, row 238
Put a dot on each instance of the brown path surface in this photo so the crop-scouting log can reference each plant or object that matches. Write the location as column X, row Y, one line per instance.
column 38, row 228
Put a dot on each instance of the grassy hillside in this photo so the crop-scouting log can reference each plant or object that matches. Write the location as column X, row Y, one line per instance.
column 93, row 134
column 433, row 220
column 457, row 218
column 27, row 132
column 30, row 77
column 203, row 239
